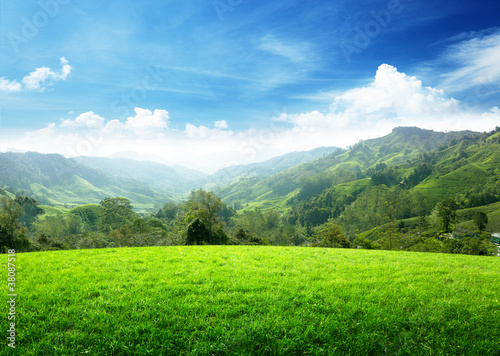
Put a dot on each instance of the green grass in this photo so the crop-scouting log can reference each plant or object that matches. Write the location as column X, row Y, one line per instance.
column 222, row 300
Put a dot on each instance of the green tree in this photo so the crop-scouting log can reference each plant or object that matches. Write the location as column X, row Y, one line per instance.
column 198, row 233
column 12, row 234
column 115, row 212
column 31, row 210
column 481, row 220
column 169, row 211
column 447, row 212
column 57, row 227
column 331, row 236
column 89, row 214
column 204, row 206
column 363, row 242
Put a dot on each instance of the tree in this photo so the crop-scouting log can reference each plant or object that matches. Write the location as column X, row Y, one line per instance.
column 58, row 227
column 89, row 214
column 169, row 211
column 447, row 212
column 198, row 233
column 206, row 207
column 12, row 234
column 331, row 236
column 363, row 242
column 31, row 210
column 115, row 212
column 481, row 220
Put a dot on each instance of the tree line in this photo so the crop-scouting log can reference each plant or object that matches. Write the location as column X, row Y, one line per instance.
column 204, row 219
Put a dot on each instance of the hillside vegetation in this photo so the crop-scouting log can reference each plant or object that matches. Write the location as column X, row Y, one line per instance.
column 256, row 301
column 413, row 189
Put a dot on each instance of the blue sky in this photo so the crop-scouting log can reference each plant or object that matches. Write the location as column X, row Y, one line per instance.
column 211, row 83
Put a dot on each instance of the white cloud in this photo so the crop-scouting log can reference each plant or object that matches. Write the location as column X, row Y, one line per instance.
column 7, row 85
column 145, row 121
column 37, row 80
column 477, row 61
column 221, row 124
column 392, row 99
column 88, row 120
column 193, row 131
column 394, row 94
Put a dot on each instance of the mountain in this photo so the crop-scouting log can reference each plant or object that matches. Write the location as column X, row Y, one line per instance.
column 353, row 166
column 55, row 180
column 176, row 179
column 400, row 176
column 270, row 166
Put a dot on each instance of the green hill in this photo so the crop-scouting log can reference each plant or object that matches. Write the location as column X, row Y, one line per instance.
column 58, row 181
column 402, row 145
column 177, row 180
column 271, row 166
column 396, row 177
column 222, row 300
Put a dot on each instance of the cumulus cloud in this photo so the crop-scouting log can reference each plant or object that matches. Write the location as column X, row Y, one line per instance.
column 221, row 124
column 392, row 99
column 87, row 120
column 145, row 121
column 202, row 132
column 7, row 85
column 37, row 80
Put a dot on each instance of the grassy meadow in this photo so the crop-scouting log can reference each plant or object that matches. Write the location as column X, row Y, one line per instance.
column 246, row 300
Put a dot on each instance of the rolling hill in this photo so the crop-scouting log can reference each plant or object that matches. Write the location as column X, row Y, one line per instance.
column 342, row 166
column 271, row 166
column 176, row 179
column 55, row 180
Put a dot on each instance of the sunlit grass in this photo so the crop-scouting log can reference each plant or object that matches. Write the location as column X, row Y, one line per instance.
column 239, row 300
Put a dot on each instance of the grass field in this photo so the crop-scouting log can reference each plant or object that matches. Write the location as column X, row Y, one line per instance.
column 238, row 300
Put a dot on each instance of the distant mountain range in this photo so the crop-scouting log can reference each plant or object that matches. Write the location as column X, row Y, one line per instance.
column 402, row 148
column 175, row 179
column 270, row 166
column 55, row 180
column 400, row 176
column 455, row 161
